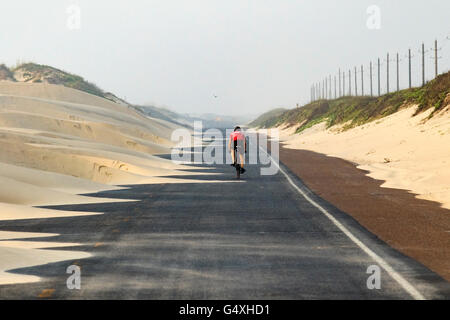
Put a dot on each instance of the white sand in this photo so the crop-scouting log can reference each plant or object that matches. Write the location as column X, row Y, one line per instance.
column 57, row 143
column 20, row 212
column 22, row 254
column 406, row 152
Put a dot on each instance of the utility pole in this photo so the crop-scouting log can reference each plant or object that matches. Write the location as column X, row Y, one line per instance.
column 356, row 82
column 326, row 88
column 379, row 81
column 349, row 82
column 371, row 80
column 409, row 66
column 362, row 80
column 435, row 58
column 387, row 83
column 398, row 75
column 423, row 64
column 340, row 85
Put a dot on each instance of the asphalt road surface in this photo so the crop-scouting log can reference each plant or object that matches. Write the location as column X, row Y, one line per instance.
column 264, row 237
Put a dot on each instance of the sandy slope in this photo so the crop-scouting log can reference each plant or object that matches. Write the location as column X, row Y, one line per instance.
column 405, row 151
column 57, row 143
column 22, row 254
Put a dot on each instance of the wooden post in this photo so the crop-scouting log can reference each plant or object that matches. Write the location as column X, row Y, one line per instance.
column 423, row 64
column 335, row 89
column 409, row 67
column 343, row 83
column 379, row 80
column 371, row 80
column 398, row 75
column 387, row 74
column 362, row 80
column 329, row 90
column 435, row 58
column 349, row 82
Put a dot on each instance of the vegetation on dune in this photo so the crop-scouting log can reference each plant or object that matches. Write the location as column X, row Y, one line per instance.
column 159, row 113
column 354, row 111
column 37, row 73
column 5, row 73
column 33, row 72
column 265, row 120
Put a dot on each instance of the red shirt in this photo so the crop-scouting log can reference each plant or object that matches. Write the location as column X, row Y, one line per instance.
column 237, row 135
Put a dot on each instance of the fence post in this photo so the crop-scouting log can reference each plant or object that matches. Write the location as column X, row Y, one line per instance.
column 409, row 67
column 379, row 80
column 335, row 89
column 324, row 96
column 387, row 83
column 435, row 58
column 423, row 64
column 398, row 74
column 343, row 83
column 350, row 82
column 371, row 80
column 362, row 80
column 330, row 91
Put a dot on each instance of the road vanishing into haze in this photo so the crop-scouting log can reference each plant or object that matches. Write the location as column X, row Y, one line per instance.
column 264, row 237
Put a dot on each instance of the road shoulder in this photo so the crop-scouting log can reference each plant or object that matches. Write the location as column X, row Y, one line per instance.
column 416, row 228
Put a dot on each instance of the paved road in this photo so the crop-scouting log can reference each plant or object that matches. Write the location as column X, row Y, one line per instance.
column 254, row 239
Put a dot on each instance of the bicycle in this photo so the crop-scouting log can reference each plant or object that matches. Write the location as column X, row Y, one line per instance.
column 236, row 164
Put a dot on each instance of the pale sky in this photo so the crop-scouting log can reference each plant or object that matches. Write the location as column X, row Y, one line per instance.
column 254, row 55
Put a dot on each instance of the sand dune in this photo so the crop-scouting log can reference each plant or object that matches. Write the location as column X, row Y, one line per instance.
column 57, row 129
column 16, row 192
column 27, row 254
column 10, row 211
column 17, row 254
column 410, row 153
column 51, row 180
column 57, row 143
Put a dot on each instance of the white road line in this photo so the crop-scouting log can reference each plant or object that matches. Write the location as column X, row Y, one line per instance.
column 413, row 292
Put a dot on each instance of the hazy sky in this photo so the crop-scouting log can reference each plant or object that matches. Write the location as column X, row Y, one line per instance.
column 254, row 55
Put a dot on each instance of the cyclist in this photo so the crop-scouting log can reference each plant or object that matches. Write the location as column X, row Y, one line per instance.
column 237, row 140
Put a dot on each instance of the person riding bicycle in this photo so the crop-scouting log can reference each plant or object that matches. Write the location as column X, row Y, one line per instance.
column 237, row 140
